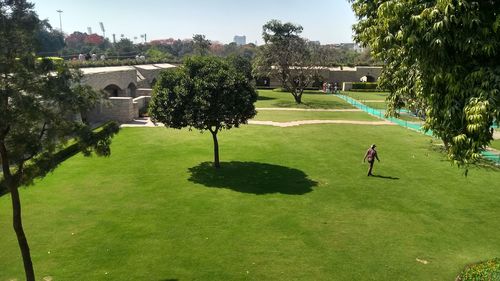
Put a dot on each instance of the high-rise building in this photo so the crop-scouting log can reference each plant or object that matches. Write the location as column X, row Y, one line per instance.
column 240, row 40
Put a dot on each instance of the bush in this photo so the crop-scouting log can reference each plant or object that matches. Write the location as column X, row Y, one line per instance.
column 364, row 85
column 487, row 271
column 367, row 90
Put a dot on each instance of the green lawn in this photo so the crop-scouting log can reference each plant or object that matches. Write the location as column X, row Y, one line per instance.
column 376, row 105
column 310, row 99
column 495, row 144
column 410, row 118
column 284, row 116
column 288, row 204
column 366, row 95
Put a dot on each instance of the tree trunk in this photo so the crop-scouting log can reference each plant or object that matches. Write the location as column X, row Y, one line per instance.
column 298, row 99
column 21, row 237
column 297, row 96
column 216, row 149
column 446, row 144
column 16, row 214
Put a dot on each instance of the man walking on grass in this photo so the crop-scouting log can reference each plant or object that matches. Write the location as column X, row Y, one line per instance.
column 371, row 154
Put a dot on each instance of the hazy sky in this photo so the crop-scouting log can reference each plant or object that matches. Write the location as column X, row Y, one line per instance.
column 328, row 21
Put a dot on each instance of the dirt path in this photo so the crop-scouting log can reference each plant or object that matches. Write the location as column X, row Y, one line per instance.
column 146, row 122
column 496, row 135
column 313, row 122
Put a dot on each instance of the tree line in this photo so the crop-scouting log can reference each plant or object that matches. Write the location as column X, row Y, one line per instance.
column 54, row 43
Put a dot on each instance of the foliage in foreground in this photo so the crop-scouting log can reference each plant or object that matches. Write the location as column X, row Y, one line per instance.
column 442, row 60
column 41, row 102
column 483, row 271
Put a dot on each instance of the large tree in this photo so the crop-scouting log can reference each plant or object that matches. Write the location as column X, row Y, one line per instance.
column 50, row 41
column 442, row 58
column 201, row 45
column 287, row 57
column 39, row 102
column 206, row 93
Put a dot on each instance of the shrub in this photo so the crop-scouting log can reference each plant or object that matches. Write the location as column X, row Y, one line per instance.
column 367, row 90
column 364, row 85
column 487, row 271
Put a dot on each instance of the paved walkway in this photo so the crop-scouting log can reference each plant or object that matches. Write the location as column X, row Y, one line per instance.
column 141, row 122
column 496, row 135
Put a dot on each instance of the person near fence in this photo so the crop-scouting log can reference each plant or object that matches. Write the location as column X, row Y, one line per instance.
column 371, row 155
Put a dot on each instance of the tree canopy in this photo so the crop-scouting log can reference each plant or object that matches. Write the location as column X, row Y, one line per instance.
column 442, row 58
column 206, row 93
column 287, row 57
column 50, row 41
column 201, row 45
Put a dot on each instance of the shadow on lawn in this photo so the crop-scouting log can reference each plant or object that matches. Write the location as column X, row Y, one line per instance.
column 385, row 177
column 265, row 98
column 252, row 177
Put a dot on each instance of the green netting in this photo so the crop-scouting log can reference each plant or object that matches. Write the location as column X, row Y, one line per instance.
column 495, row 157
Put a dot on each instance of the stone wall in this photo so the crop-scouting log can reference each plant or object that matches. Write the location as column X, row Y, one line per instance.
column 150, row 72
column 101, row 77
column 342, row 74
column 141, row 105
column 144, row 92
column 119, row 109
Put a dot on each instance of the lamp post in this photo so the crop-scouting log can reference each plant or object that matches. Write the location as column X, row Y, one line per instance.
column 60, row 20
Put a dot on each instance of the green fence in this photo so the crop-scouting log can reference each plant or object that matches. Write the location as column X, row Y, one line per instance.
column 492, row 156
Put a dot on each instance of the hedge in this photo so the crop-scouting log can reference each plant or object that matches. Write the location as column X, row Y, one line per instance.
column 364, row 85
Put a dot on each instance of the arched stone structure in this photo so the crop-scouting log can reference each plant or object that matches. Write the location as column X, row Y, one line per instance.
column 113, row 90
column 131, row 90
column 368, row 78
column 263, row 81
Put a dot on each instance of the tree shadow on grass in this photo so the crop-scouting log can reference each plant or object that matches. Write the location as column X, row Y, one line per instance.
column 385, row 177
column 252, row 177
column 265, row 98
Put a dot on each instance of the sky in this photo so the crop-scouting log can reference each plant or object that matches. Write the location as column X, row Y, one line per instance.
column 327, row 21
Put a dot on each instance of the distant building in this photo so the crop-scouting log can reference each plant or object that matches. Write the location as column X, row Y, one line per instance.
column 240, row 40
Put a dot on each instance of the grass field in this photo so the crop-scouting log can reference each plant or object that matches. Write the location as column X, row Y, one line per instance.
column 495, row 144
column 361, row 96
column 376, row 105
column 288, row 204
column 284, row 116
column 410, row 118
column 310, row 99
